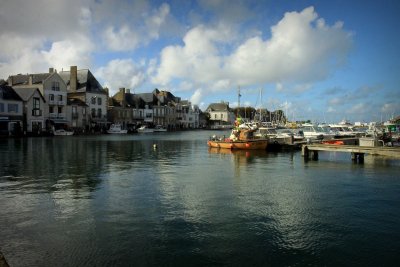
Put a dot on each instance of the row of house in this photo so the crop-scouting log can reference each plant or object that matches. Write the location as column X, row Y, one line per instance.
column 41, row 103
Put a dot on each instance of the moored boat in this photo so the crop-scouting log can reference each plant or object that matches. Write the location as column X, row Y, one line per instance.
column 239, row 139
column 63, row 132
column 160, row 128
column 145, row 129
column 116, row 129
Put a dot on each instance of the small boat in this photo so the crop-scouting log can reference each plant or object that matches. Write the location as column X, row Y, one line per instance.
column 160, row 128
column 116, row 129
column 145, row 129
column 63, row 132
column 239, row 139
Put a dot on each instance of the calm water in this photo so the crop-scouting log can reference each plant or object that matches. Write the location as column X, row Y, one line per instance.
column 116, row 201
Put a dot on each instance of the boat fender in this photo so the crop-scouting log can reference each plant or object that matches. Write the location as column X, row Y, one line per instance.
column 247, row 145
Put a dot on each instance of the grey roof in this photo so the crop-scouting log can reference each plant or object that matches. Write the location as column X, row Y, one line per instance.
column 147, row 97
column 21, row 79
column 26, row 93
column 86, row 81
column 218, row 107
column 8, row 93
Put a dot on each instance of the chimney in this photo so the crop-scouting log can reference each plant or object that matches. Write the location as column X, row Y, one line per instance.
column 73, row 80
column 122, row 93
column 51, row 70
column 10, row 80
column 30, row 80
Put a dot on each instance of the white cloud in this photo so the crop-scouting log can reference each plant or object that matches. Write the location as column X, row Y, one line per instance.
column 155, row 22
column 120, row 73
column 137, row 30
column 121, row 39
column 197, row 60
column 73, row 51
column 302, row 49
column 196, row 97
column 390, row 108
column 359, row 108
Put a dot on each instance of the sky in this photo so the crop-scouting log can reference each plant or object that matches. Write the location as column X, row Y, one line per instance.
column 323, row 61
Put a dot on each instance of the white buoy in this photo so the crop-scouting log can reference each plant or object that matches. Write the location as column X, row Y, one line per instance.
column 155, row 146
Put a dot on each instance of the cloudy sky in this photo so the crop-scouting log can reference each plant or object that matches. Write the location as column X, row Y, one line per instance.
column 318, row 60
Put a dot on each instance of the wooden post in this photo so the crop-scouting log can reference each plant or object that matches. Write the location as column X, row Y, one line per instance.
column 305, row 152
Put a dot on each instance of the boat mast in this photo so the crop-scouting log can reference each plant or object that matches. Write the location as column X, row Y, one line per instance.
column 239, row 95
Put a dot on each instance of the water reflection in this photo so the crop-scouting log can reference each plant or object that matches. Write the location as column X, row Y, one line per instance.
column 240, row 157
column 107, row 200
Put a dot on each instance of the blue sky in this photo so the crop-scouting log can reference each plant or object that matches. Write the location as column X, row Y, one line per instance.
column 318, row 60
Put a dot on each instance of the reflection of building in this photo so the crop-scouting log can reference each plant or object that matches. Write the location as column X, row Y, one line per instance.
column 11, row 112
column 82, row 85
column 34, row 106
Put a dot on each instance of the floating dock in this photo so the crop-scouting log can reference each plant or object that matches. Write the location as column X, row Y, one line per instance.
column 357, row 152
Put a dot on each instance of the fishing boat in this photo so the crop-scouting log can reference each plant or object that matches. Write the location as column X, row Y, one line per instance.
column 239, row 139
column 116, row 129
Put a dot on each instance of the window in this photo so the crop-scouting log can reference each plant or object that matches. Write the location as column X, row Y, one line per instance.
column 215, row 116
column 51, row 109
column 93, row 100
column 59, row 97
column 13, row 108
column 84, row 111
column 59, row 109
column 36, row 103
column 51, row 97
column 99, row 101
column 93, row 112
column 99, row 113
column 74, row 110
column 55, row 86
column 1, row 107
column 222, row 116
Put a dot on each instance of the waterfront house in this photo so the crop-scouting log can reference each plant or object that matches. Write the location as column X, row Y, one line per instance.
column 220, row 114
column 54, row 91
column 11, row 111
column 81, row 84
column 190, row 115
column 78, row 111
column 121, row 109
column 33, row 110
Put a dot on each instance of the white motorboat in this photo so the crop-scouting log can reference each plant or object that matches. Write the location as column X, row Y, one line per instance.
column 145, row 129
column 160, row 128
column 63, row 132
column 312, row 131
column 342, row 130
column 116, row 129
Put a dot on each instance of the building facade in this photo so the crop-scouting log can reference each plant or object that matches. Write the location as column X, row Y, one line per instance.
column 34, row 110
column 11, row 111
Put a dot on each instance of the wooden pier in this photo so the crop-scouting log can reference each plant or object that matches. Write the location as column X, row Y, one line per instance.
column 357, row 152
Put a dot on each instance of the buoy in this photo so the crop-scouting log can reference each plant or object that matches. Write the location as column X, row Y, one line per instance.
column 155, row 146
column 247, row 145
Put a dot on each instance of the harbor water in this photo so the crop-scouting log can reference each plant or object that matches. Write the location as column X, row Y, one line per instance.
column 117, row 200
